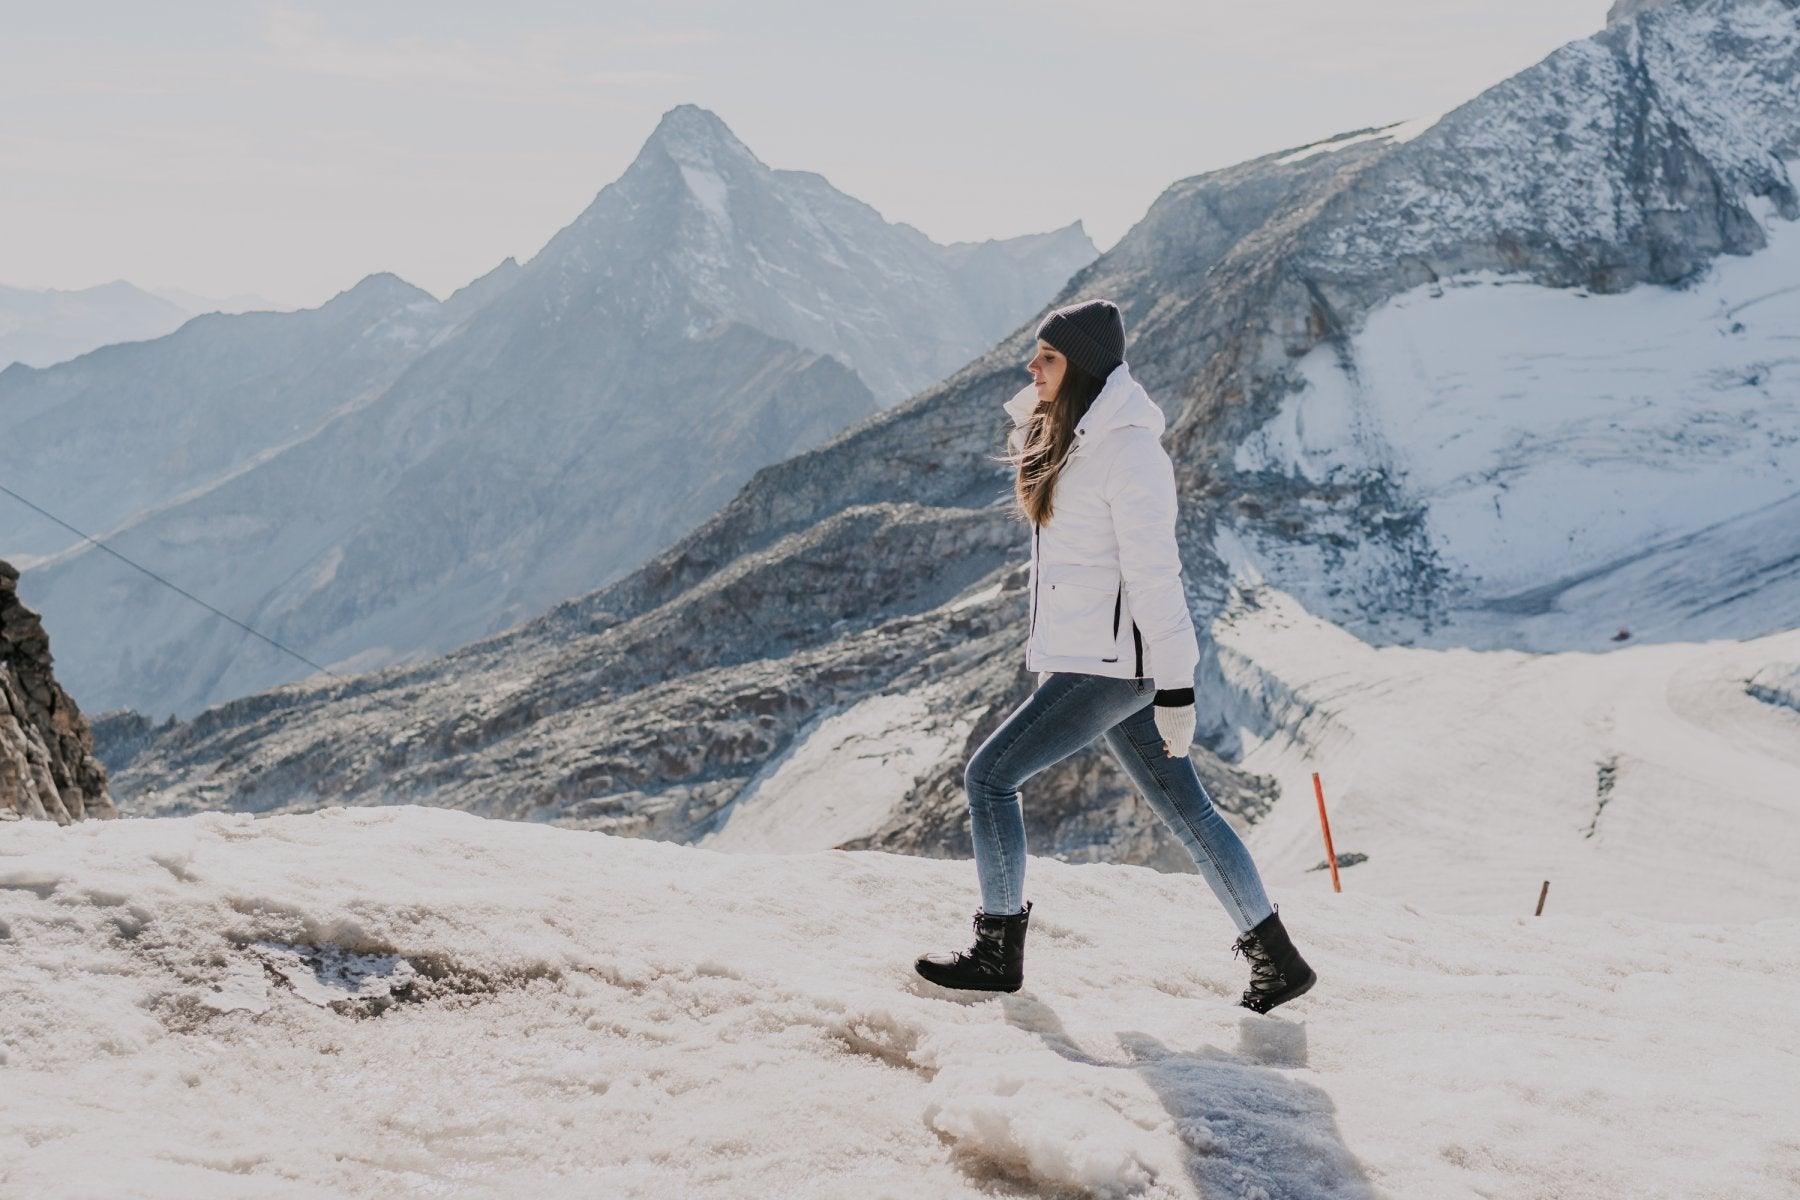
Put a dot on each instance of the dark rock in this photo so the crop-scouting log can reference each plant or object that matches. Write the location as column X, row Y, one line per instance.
column 47, row 765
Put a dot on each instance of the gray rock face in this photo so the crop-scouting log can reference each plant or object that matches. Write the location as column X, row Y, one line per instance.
column 442, row 472
column 886, row 560
column 47, row 764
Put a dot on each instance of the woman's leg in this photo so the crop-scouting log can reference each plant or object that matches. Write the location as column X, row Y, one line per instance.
column 1066, row 713
column 1173, row 789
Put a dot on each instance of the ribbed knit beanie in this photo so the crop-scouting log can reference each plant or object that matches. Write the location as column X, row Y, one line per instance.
column 1091, row 334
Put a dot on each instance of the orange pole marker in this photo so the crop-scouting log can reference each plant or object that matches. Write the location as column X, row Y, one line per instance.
column 1325, row 825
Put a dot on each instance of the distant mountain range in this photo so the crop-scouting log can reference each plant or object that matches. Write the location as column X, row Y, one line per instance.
column 387, row 477
column 1514, row 377
column 43, row 326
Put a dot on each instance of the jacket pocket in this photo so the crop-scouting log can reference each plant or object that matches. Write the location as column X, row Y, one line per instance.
column 1075, row 609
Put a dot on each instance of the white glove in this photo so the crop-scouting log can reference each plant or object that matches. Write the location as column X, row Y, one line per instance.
column 1176, row 724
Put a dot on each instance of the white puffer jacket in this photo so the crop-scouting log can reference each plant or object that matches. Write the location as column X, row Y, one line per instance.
column 1106, row 595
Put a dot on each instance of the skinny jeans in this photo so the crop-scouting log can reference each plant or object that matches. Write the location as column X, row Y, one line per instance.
column 1066, row 712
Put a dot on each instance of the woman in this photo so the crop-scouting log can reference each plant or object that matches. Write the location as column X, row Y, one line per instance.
column 1114, row 645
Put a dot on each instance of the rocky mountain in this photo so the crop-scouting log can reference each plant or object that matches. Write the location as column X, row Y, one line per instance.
column 467, row 465
column 47, row 765
column 41, row 326
column 1515, row 378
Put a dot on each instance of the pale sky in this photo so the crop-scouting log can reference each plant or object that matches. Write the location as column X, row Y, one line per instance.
column 291, row 148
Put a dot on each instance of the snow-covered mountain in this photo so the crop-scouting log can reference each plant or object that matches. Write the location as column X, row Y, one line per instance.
column 1449, row 400
column 409, row 1002
column 538, row 434
column 41, row 326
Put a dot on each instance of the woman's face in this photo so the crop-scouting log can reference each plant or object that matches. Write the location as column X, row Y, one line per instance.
column 1046, row 368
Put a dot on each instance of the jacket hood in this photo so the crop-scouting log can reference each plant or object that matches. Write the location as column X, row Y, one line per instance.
column 1122, row 401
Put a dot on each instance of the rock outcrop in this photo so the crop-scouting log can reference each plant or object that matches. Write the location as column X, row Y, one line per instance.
column 47, row 763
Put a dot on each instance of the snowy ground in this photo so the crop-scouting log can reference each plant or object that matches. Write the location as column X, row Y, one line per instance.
column 1649, row 780
column 545, row 1012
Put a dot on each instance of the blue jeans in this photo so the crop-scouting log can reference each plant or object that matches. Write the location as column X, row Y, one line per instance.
column 1061, row 717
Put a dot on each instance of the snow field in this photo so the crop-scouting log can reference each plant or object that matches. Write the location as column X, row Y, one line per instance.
column 580, row 1014
column 1648, row 780
column 1550, row 433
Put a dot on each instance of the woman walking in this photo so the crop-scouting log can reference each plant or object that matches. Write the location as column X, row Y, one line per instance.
column 1115, row 648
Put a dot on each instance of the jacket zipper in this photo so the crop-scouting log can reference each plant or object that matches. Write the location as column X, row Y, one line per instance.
column 1035, row 583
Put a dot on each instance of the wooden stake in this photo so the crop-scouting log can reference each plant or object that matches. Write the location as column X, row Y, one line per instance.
column 1325, row 825
column 1542, row 892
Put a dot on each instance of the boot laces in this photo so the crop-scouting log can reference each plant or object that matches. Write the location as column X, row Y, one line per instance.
column 1265, row 975
column 989, row 950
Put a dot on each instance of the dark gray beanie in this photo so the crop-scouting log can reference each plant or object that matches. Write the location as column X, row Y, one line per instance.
column 1091, row 334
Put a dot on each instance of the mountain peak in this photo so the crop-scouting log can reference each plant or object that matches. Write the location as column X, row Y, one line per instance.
column 383, row 287
column 688, row 133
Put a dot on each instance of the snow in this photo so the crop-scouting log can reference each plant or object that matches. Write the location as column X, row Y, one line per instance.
column 712, row 193
column 594, row 1015
column 1537, row 157
column 1645, row 780
column 991, row 592
column 844, row 775
column 1400, row 131
column 1550, row 433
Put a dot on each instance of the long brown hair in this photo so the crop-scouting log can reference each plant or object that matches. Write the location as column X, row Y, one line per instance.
column 1049, row 431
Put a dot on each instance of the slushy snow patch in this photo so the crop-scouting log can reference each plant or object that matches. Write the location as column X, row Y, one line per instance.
column 589, row 1015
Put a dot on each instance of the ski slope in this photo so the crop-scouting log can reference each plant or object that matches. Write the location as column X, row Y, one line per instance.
column 416, row 1002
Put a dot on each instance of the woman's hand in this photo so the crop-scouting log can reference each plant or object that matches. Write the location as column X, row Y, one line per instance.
column 1175, row 720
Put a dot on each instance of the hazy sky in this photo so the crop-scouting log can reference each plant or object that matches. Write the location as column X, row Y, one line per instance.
column 292, row 148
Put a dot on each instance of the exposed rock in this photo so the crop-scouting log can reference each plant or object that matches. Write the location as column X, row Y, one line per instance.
column 47, row 764
column 1778, row 683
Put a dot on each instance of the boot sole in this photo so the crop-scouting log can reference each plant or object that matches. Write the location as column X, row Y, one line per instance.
column 966, row 987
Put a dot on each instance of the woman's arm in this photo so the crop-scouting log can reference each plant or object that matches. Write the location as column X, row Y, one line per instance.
column 1139, row 488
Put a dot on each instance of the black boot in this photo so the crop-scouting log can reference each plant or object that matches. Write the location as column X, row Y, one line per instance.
column 995, row 963
column 1277, row 972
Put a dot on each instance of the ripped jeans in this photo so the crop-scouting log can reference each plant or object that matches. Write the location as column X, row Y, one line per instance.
column 1066, row 713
